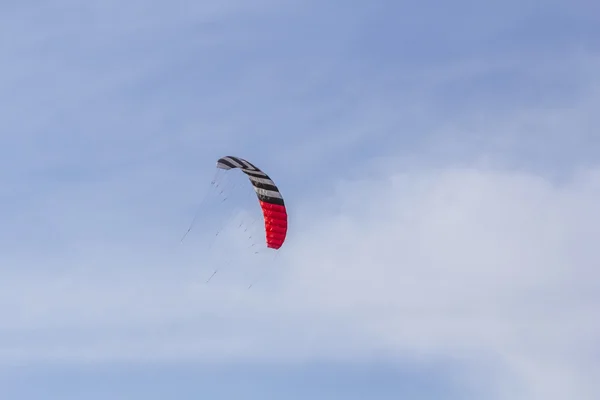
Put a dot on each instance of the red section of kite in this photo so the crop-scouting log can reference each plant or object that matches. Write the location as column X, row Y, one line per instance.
column 276, row 224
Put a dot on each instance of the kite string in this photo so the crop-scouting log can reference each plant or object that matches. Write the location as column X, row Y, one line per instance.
column 229, row 261
column 243, row 224
column 230, row 215
column 199, row 208
column 227, row 224
column 266, row 270
column 217, row 183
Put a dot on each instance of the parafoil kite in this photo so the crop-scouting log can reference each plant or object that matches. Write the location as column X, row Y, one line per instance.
column 269, row 197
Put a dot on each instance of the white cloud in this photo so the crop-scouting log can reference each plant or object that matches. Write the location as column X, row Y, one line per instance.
column 463, row 263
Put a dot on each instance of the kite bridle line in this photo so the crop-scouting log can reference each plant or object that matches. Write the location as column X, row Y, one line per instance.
column 201, row 204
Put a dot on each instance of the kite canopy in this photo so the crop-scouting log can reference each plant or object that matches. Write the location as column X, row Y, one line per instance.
column 269, row 197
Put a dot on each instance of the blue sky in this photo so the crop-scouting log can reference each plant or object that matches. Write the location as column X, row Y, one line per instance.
column 440, row 162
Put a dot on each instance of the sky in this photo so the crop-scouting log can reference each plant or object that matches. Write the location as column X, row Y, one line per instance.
column 440, row 163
